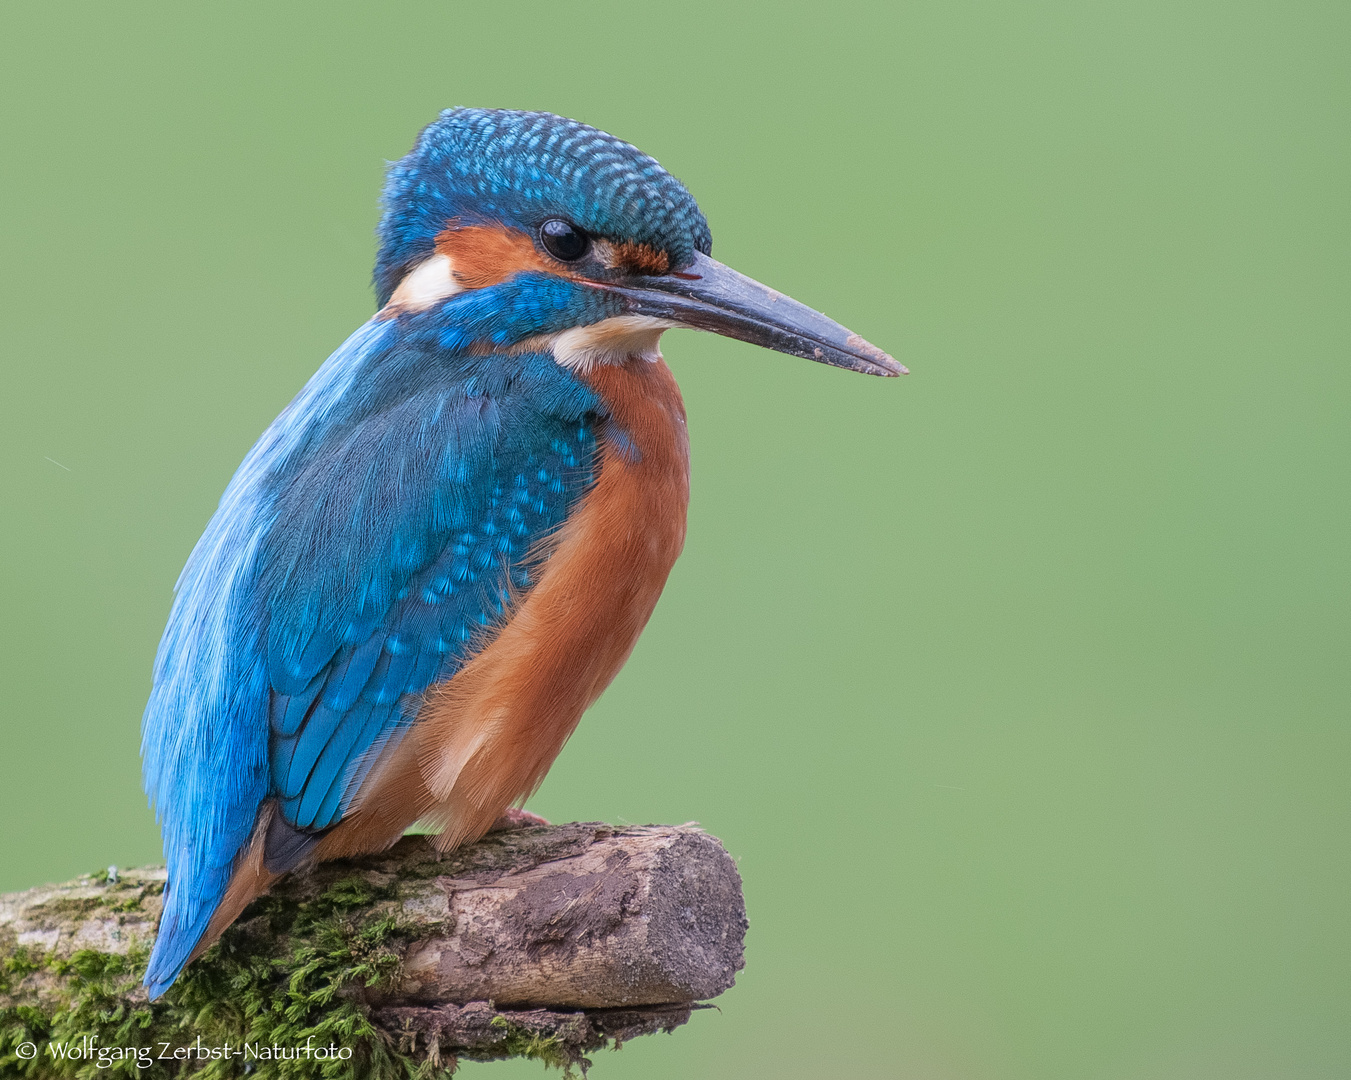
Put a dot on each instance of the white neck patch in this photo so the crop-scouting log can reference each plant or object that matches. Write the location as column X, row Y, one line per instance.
column 428, row 283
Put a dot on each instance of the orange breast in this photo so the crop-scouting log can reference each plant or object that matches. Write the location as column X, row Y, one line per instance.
column 485, row 739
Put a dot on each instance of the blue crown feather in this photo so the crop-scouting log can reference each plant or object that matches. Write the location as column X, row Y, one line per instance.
column 521, row 168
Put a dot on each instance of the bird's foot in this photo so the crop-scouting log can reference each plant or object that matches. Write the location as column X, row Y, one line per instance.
column 516, row 819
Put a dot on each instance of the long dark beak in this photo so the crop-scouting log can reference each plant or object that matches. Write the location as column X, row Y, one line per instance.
column 710, row 296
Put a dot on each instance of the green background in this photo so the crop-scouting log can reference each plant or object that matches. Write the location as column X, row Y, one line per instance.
column 1018, row 687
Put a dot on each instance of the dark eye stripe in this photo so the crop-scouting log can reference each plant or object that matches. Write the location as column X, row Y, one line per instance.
column 563, row 240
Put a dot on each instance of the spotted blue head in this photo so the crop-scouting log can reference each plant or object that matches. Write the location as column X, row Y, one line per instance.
column 529, row 227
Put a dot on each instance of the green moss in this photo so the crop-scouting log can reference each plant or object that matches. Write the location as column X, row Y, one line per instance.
column 519, row 1043
column 70, row 907
column 291, row 973
column 23, row 961
column 121, row 898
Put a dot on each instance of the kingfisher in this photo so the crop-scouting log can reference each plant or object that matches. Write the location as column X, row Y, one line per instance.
column 445, row 547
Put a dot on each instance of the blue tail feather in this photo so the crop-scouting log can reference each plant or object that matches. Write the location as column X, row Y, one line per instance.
column 180, row 930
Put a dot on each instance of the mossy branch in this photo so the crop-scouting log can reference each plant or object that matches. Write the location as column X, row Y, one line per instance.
column 546, row 942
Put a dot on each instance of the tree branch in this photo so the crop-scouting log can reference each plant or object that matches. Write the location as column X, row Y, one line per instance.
column 546, row 942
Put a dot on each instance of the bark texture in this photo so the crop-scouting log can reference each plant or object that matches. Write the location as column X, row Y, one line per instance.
column 543, row 941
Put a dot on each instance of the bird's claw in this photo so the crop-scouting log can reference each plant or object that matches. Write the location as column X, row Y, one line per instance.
column 517, row 819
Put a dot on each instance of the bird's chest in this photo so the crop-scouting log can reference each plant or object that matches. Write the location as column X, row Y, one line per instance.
column 487, row 736
column 635, row 525
column 609, row 563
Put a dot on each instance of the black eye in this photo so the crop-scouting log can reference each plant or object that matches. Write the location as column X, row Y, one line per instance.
column 562, row 240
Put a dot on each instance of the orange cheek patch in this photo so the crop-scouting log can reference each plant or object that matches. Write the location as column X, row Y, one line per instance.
column 484, row 255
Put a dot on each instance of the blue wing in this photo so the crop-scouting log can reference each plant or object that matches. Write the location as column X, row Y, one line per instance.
column 351, row 647
column 380, row 521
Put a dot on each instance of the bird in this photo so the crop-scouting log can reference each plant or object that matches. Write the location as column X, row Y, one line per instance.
column 445, row 547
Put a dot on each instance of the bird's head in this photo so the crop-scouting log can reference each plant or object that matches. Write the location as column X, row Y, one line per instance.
column 526, row 228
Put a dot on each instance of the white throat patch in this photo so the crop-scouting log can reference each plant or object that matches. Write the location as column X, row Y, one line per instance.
column 610, row 341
